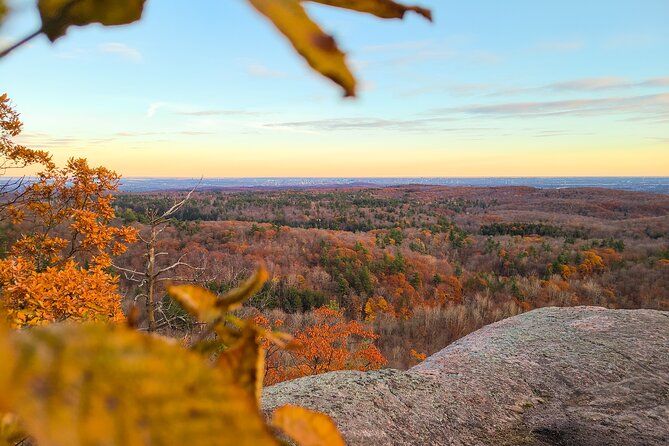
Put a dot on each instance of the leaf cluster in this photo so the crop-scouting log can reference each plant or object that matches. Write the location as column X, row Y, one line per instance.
column 318, row 48
column 94, row 383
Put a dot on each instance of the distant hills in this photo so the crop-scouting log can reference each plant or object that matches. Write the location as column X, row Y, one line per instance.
column 658, row 185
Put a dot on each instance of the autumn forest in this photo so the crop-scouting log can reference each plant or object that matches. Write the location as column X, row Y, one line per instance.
column 157, row 315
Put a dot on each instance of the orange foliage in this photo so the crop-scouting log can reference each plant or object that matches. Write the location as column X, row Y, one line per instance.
column 332, row 343
column 592, row 262
column 376, row 305
column 566, row 271
column 66, row 216
column 67, row 292
column 418, row 357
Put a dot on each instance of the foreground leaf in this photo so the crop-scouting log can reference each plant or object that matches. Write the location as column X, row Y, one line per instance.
column 94, row 384
column 58, row 15
column 306, row 427
column 235, row 297
column 207, row 307
column 386, row 9
column 318, row 48
column 197, row 301
column 3, row 11
column 243, row 364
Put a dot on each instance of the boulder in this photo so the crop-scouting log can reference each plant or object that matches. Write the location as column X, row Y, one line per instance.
column 553, row 376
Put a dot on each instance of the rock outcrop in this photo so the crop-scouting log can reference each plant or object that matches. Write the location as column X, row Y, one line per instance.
column 554, row 376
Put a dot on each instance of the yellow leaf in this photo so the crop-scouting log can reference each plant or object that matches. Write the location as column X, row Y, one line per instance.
column 198, row 301
column 58, row 15
column 243, row 364
column 94, row 384
column 11, row 429
column 207, row 307
column 235, row 297
column 318, row 48
column 386, row 9
column 3, row 11
column 7, row 362
column 306, row 427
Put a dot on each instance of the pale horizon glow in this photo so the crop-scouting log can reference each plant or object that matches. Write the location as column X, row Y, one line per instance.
column 489, row 90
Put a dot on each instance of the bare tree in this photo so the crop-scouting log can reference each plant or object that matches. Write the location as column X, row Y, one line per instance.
column 152, row 274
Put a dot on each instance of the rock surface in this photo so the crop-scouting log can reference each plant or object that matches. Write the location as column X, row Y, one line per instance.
column 554, row 376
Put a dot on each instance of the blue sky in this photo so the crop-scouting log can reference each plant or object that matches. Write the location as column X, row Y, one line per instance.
column 516, row 88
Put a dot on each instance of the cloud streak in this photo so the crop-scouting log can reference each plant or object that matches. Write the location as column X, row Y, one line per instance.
column 221, row 112
column 652, row 105
column 121, row 50
column 423, row 125
column 561, row 46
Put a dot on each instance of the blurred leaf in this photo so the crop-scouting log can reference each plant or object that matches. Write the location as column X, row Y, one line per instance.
column 235, row 297
column 3, row 11
column 243, row 364
column 207, row 307
column 93, row 384
column 198, row 301
column 386, row 9
column 11, row 430
column 58, row 15
column 306, row 427
column 318, row 48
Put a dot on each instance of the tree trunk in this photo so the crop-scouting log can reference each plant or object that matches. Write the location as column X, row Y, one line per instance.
column 150, row 303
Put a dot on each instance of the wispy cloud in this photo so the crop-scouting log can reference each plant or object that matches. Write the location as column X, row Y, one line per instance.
column 38, row 140
column 198, row 113
column 450, row 88
column 154, row 107
column 143, row 134
column 655, row 82
column 653, row 105
column 561, row 46
column 221, row 112
column 423, row 125
column 121, row 50
column 256, row 69
column 591, row 84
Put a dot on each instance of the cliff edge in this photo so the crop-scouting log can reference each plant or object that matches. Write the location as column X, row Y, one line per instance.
column 554, row 376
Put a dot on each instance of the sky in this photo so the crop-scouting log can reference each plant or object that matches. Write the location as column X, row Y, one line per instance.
column 209, row 88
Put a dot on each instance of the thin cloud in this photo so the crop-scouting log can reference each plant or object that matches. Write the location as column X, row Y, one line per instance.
column 121, row 50
column 653, row 105
column 154, row 107
column 561, row 46
column 655, row 82
column 432, row 124
column 141, row 134
column 352, row 124
column 256, row 69
column 220, row 112
column 590, row 84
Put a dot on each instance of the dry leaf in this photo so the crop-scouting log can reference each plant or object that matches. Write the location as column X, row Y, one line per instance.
column 386, row 9
column 58, row 15
column 93, row 384
column 306, row 427
column 318, row 48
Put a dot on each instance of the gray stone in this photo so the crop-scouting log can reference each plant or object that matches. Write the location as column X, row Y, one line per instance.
column 553, row 376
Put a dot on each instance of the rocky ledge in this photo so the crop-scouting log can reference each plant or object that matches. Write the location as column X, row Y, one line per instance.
column 554, row 376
